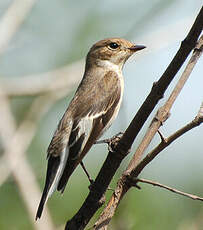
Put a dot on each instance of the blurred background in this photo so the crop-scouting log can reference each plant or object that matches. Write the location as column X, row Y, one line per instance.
column 42, row 49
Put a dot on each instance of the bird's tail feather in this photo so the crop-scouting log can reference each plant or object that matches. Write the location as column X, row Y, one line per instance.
column 51, row 182
column 41, row 204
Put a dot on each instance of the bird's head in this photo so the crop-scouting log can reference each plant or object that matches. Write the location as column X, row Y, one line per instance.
column 113, row 50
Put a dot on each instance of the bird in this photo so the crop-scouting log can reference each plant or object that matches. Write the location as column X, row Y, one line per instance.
column 90, row 113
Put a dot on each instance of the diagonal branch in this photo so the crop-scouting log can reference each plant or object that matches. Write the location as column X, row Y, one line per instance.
column 163, row 112
column 102, row 223
column 94, row 199
column 198, row 120
column 131, row 171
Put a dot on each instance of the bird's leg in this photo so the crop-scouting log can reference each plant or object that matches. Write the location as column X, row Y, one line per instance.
column 111, row 141
column 163, row 139
column 89, row 178
column 118, row 135
column 86, row 172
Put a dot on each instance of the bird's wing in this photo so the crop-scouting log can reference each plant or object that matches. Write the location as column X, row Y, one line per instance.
column 92, row 118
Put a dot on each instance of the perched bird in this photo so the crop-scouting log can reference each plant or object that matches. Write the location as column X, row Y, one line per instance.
column 92, row 110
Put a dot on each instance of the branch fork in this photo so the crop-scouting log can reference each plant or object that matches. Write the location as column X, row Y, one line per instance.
column 137, row 164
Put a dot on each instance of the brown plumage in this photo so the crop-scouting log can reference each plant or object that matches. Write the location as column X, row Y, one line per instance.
column 91, row 111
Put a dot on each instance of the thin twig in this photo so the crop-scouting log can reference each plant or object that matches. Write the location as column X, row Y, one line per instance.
column 154, row 183
column 163, row 113
column 194, row 123
column 198, row 120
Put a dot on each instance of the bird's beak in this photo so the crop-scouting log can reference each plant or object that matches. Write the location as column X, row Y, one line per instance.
column 137, row 47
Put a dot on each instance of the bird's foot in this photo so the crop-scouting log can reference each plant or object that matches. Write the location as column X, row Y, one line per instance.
column 112, row 142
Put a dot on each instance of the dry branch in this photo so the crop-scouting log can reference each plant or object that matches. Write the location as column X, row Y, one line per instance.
column 198, row 120
column 154, row 183
column 133, row 169
column 113, row 160
column 164, row 112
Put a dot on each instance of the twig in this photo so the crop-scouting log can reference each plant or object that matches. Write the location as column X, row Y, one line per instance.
column 163, row 113
column 123, row 185
column 108, row 212
column 198, row 120
column 113, row 160
column 154, row 183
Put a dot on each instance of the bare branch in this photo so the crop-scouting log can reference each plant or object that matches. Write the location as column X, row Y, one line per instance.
column 163, row 113
column 150, row 156
column 103, row 222
column 154, row 183
column 113, row 160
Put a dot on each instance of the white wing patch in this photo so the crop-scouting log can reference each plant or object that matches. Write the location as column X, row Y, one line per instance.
column 84, row 127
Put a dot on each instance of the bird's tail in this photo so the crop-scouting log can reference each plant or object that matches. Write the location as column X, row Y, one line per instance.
column 54, row 172
column 41, row 204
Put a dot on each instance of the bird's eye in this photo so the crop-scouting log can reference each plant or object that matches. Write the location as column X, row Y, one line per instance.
column 113, row 45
